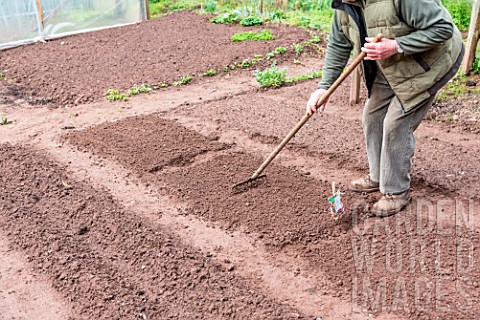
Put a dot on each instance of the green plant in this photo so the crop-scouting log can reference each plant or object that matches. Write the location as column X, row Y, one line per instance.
column 164, row 85
column 303, row 77
column 460, row 11
column 298, row 48
column 142, row 89
column 270, row 55
column 227, row 18
column 251, row 21
column 280, row 50
column 244, row 36
column 476, row 65
column 114, row 95
column 184, row 80
column 4, row 121
column 210, row 6
column 245, row 64
column 314, row 39
column 2, row 75
column 208, row 73
column 271, row 77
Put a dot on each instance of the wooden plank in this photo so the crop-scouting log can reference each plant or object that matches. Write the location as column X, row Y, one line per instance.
column 472, row 39
column 355, row 88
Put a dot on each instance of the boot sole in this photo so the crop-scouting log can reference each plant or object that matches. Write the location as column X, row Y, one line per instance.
column 365, row 190
column 384, row 214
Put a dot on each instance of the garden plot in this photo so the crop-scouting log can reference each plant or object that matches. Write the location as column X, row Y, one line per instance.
column 108, row 263
column 134, row 216
column 288, row 213
column 82, row 68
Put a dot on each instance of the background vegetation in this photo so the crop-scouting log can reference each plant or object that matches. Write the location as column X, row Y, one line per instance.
column 307, row 13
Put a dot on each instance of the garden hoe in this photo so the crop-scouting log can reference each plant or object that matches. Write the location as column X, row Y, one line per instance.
column 258, row 178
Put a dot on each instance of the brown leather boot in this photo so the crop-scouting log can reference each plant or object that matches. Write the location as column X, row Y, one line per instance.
column 391, row 204
column 364, row 185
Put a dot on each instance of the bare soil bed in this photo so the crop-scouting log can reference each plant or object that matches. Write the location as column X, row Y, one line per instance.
column 82, row 68
column 110, row 264
column 97, row 210
column 289, row 211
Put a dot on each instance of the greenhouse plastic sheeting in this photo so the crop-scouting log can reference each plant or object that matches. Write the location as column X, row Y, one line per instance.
column 27, row 21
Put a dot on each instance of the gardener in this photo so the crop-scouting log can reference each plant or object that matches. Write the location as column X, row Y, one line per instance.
column 421, row 51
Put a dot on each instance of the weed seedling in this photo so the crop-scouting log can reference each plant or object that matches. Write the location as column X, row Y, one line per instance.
column 184, row 80
column 164, row 85
column 2, row 75
column 271, row 77
column 4, row 121
column 208, row 73
column 114, row 95
column 298, row 48
column 270, row 55
column 245, row 64
column 280, row 50
column 142, row 89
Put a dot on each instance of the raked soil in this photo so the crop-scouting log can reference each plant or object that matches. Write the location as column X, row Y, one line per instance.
column 111, row 264
column 83, row 67
column 288, row 212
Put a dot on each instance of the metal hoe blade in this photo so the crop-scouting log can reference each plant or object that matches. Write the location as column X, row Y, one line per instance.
column 249, row 184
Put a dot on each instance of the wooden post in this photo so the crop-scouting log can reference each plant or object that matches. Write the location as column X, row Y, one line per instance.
column 472, row 39
column 355, row 89
column 147, row 6
column 261, row 6
column 40, row 12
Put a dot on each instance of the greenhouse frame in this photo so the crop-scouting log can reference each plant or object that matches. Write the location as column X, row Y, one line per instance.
column 29, row 21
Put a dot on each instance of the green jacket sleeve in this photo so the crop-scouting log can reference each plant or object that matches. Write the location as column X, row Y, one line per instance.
column 336, row 58
column 431, row 21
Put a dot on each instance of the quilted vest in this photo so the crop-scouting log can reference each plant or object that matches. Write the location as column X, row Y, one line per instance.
column 413, row 78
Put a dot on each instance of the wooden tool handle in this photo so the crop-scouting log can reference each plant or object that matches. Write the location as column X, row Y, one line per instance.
column 346, row 73
column 305, row 118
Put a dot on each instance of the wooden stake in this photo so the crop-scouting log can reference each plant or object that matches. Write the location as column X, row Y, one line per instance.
column 40, row 12
column 472, row 39
column 355, row 90
column 148, row 9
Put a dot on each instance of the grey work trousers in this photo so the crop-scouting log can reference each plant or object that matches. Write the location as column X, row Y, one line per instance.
column 389, row 136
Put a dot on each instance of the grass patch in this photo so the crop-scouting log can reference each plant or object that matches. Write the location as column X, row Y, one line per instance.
column 316, row 14
column 303, row 77
column 250, row 35
column 159, row 8
column 456, row 89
